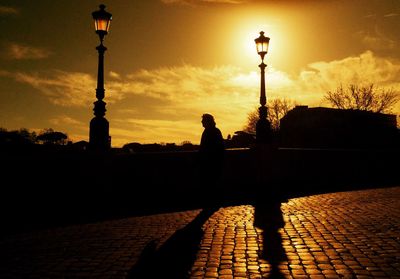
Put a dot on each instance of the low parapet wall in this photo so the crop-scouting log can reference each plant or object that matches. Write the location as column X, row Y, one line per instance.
column 64, row 185
column 252, row 167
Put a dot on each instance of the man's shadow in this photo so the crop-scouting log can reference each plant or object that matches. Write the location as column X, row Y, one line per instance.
column 268, row 217
column 174, row 258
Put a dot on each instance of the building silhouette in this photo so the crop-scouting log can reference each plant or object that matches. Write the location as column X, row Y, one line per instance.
column 321, row 127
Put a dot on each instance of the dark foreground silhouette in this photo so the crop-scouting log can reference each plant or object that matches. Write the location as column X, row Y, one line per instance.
column 43, row 190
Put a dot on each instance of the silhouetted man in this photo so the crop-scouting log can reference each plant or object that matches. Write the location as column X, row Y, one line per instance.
column 211, row 151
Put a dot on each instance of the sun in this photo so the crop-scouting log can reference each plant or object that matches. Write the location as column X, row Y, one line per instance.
column 248, row 48
column 245, row 48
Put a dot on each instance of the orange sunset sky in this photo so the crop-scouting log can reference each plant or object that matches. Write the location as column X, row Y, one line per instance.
column 170, row 61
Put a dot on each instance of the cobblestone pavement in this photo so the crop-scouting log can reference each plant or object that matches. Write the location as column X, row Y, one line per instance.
column 336, row 235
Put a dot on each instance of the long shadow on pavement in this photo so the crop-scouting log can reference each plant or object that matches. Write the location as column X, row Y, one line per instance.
column 268, row 217
column 174, row 258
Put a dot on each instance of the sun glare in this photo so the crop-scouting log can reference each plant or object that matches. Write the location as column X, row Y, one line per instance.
column 245, row 47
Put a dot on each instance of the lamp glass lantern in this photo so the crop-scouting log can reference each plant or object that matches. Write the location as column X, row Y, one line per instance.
column 102, row 21
column 262, row 44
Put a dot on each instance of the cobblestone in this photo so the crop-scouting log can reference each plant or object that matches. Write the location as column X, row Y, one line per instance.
column 337, row 235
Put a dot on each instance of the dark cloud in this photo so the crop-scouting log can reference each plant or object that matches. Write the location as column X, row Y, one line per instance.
column 6, row 10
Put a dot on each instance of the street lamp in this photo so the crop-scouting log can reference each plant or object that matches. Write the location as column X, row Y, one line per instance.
column 263, row 126
column 99, row 138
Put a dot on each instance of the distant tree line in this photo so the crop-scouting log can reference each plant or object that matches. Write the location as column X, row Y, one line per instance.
column 25, row 137
column 135, row 147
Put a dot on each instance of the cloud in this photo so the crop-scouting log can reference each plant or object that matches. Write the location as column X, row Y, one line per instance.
column 200, row 2
column 363, row 69
column 4, row 73
column 76, row 129
column 62, row 88
column 391, row 15
column 188, row 86
column 114, row 75
column 66, row 120
column 225, row 1
column 154, row 131
column 376, row 40
column 173, row 98
column 380, row 33
column 166, row 104
column 22, row 52
column 178, row 96
column 233, row 2
column 6, row 10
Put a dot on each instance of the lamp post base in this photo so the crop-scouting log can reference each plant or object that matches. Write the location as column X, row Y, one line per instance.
column 99, row 137
column 263, row 126
column 263, row 131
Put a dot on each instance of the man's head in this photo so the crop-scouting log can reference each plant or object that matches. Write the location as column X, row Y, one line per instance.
column 208, row 120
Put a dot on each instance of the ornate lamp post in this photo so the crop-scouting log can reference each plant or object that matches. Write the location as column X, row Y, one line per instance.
column 99, row 138
column 263, row 127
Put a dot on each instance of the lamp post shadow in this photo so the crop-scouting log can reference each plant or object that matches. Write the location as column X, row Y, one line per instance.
column 174, row 258
column 268, row 217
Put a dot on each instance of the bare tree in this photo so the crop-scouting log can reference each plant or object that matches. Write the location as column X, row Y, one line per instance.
column 366, row 98
column 277, row 108
column 252, row 119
